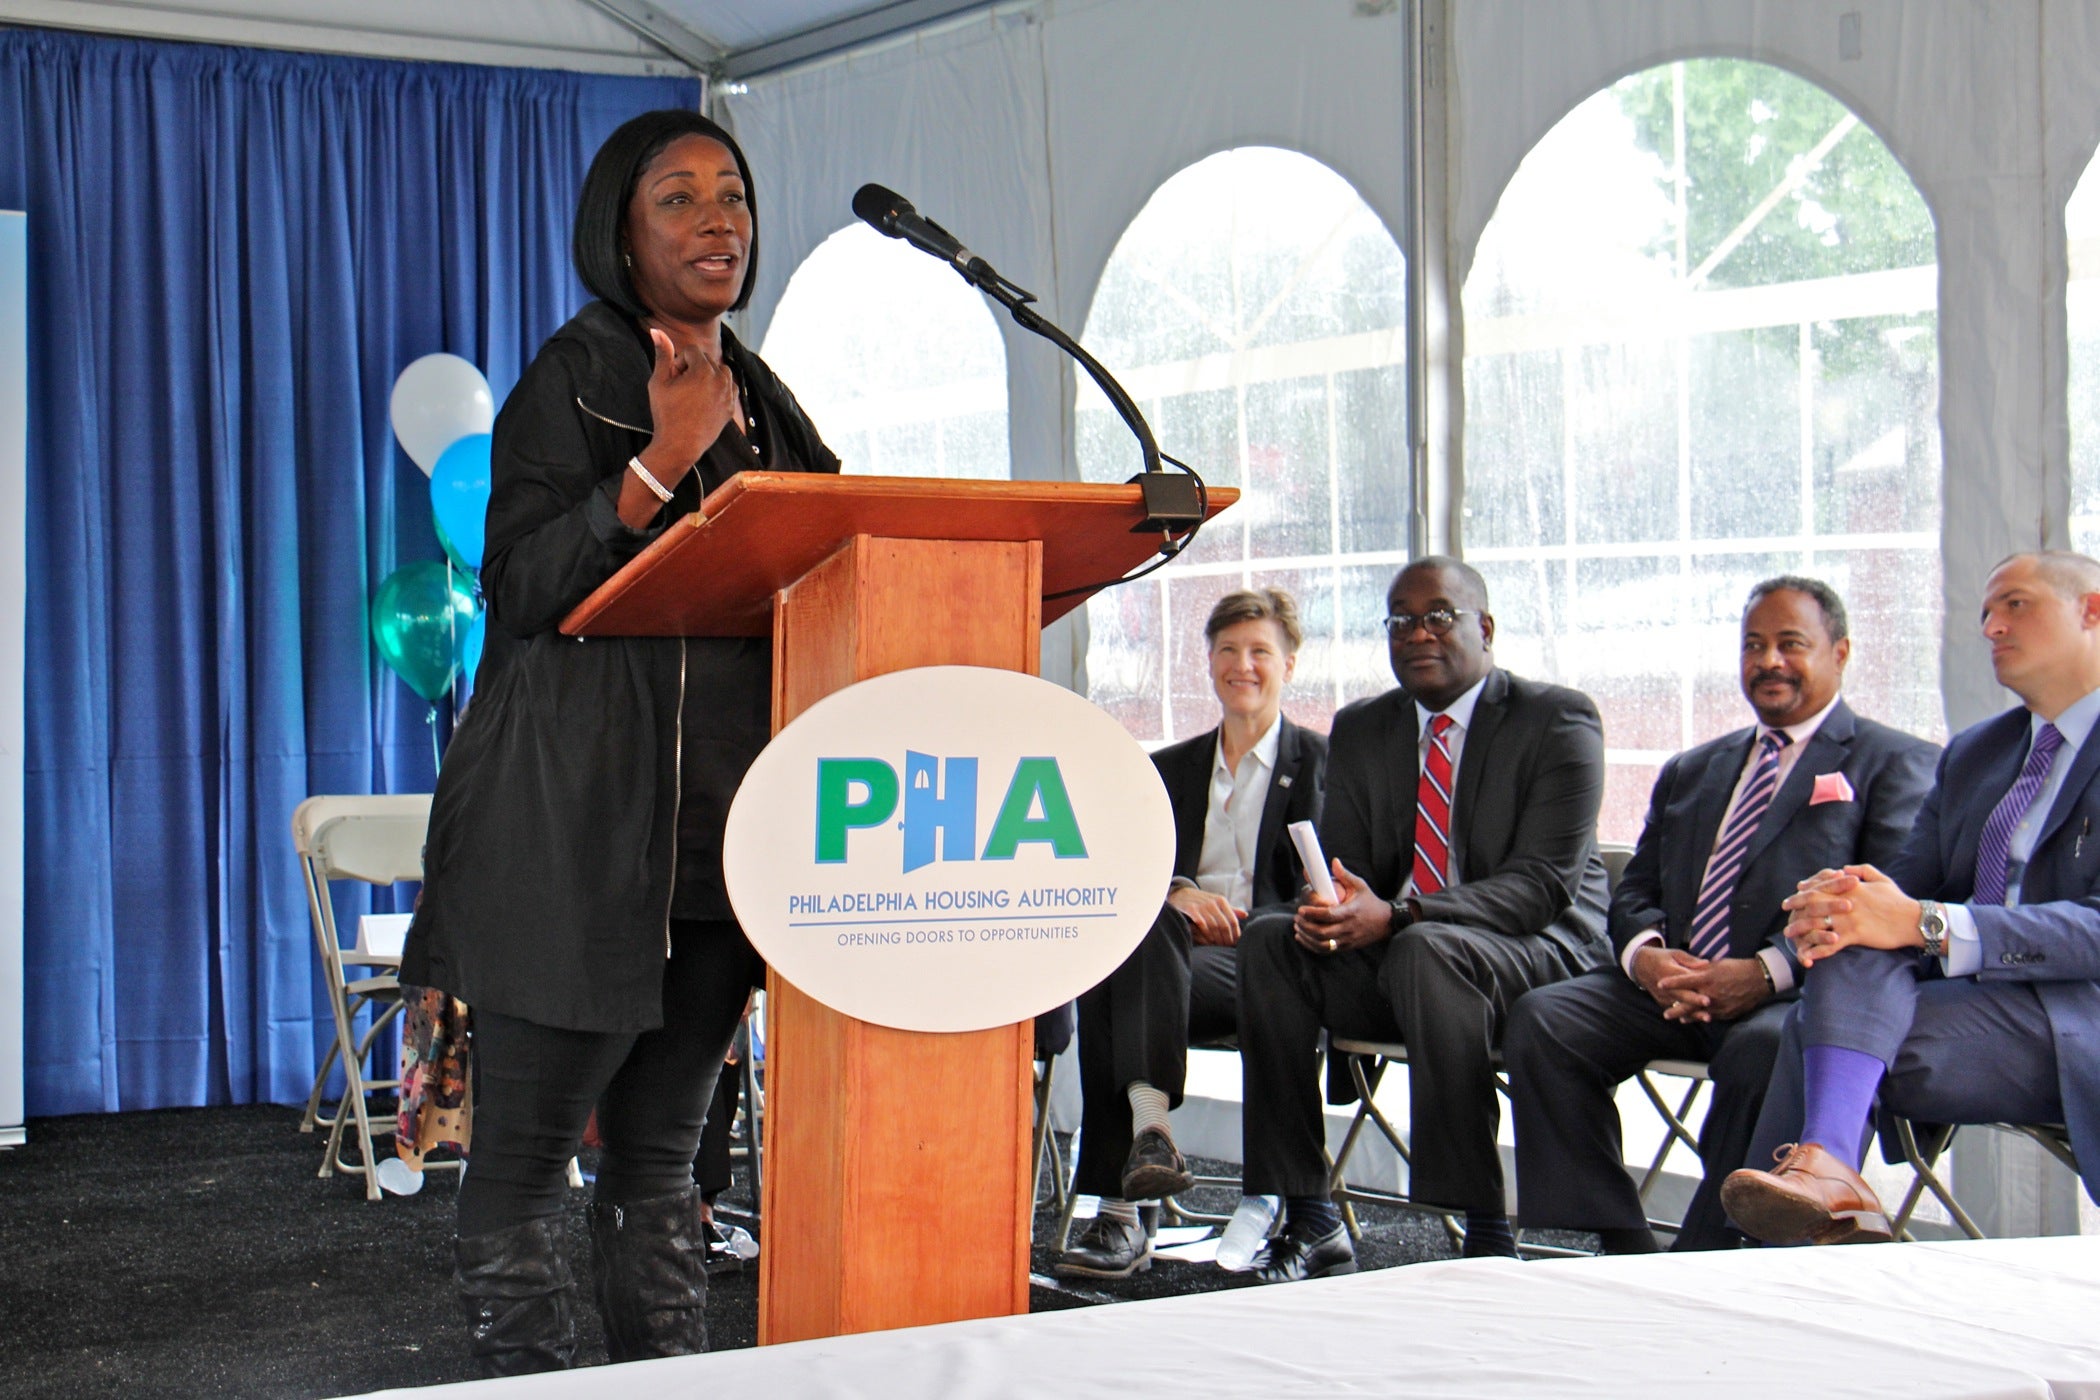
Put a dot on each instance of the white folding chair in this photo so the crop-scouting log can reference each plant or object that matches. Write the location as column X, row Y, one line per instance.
column 379, row 840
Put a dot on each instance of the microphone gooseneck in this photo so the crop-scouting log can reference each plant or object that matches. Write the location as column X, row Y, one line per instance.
column 1175, row 506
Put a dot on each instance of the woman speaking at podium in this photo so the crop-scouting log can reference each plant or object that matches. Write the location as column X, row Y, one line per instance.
column 573, row 890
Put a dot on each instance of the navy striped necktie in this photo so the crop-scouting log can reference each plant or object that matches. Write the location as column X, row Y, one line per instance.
column 1994, row 847
column 1709, row 937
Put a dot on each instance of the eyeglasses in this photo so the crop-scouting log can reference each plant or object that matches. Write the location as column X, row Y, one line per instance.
column 1439, row 621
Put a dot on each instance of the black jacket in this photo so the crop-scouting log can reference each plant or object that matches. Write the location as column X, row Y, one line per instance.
column 1523, row 821
column 555, row 831
column 1294, row 795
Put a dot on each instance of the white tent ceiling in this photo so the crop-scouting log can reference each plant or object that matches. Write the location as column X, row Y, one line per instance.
column 732, row 38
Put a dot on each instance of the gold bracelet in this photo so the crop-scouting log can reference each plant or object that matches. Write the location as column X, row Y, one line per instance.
column 656, row 488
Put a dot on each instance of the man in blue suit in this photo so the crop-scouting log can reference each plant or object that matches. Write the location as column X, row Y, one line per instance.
column 1962, row 986
column 1704, row 972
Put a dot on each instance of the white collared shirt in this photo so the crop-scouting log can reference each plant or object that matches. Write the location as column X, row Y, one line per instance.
column 1232, row 822
column 1964, row 957
column 1798, row 735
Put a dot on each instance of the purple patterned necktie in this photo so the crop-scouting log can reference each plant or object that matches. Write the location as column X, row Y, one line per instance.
column 1709, row 938
column 1994, row 848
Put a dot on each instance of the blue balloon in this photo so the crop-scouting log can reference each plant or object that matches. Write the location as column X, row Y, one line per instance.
column 459, row 497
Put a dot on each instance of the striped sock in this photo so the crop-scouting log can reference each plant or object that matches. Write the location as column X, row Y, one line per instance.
column 1115, row 1208
column 1148, row 1108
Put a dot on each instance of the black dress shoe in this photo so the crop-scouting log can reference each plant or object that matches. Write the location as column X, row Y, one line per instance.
column 1299, row 1254
column 1107, row 1248
column 1154, row 1168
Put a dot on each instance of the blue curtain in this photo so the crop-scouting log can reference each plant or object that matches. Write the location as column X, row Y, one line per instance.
column 232, row 254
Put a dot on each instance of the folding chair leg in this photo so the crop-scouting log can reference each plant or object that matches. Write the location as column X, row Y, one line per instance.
column 1928, row 1180
column 312, row 1117
column 1677, row 1132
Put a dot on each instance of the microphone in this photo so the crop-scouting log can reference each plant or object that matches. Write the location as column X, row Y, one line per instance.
column 1174, row 505
column 893, row 215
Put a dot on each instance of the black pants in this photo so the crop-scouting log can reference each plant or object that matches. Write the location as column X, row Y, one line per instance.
column 535, row 1087
column 1443, row 989
column 1568, row 1049
column 1137, row 1025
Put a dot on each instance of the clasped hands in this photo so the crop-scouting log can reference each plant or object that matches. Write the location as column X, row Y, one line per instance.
column 1689, row 988
column 1857, row 904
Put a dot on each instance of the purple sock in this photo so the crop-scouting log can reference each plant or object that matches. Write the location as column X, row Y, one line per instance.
column 1839, row 1087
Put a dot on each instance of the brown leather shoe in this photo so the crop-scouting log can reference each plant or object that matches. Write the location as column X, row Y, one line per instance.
column 1809, row 1198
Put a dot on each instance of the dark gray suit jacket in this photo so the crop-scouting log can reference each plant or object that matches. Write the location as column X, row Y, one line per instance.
column 1523, row 818
column 1889, row 772
column 2052, row 937
column 1294, row 795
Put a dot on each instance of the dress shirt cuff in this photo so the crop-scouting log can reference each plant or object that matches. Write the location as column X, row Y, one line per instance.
column 1964, row 945
column 1634, row 945
column 1781, row 970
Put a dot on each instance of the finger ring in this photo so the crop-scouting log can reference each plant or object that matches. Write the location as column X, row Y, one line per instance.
column 1830, row 923
column 1332, row 946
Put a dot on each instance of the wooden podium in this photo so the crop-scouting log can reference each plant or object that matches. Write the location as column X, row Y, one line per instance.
column 898, row 1185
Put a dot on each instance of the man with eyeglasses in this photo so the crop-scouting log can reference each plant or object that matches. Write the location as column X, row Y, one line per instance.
column 1461, row 824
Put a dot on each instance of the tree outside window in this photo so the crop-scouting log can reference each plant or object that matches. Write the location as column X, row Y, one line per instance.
column 1701, row 349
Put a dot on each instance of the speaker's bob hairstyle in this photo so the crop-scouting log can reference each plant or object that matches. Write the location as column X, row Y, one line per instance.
column 600, row 239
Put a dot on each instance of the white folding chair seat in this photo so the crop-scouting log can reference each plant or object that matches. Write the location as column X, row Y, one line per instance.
column 377, row 840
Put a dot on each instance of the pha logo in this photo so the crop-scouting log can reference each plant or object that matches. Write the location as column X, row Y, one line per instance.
column 940, row 808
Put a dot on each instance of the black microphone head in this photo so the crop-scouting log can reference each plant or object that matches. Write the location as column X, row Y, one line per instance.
column 880, row 207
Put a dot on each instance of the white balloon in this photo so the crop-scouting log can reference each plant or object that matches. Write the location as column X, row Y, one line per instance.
column 438, row 400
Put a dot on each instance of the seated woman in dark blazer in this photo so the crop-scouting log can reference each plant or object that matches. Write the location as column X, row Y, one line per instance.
column 1234, row 790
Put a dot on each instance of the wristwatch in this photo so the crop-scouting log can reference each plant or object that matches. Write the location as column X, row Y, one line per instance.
column 1404, row 913
column 1932, row 927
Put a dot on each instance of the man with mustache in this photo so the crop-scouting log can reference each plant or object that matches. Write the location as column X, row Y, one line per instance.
column 1461, row 820
column 1962, row 986
column 1704, row 972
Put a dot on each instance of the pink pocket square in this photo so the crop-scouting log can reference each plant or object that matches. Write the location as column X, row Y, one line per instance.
column 1830, row 787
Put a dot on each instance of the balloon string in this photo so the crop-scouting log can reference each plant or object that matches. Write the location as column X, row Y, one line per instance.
column 431, row 719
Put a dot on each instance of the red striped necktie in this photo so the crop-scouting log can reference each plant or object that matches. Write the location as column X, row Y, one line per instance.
column 1433, row 812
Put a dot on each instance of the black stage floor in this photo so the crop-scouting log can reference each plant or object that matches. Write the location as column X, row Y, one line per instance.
column 194, row 1252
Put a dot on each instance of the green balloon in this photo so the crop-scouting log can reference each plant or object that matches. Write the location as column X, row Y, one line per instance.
column 420, row 619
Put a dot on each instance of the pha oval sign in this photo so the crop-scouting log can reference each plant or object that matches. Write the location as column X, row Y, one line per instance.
column 949, row 848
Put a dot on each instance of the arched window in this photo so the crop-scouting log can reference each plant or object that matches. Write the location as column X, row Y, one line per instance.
column 1702, row 349
column 895, row 359
column 2082, row 310
column 1253, row 308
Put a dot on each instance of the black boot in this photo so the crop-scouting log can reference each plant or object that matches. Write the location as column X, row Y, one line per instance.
column 519, row 1297
column 651, row 1259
